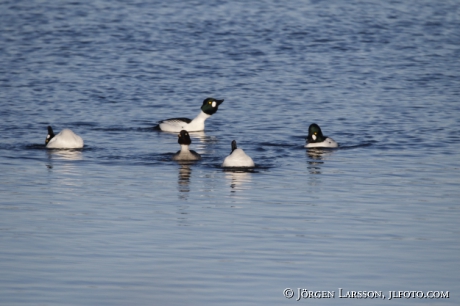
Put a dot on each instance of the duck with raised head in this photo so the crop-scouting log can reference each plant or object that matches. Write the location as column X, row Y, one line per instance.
column 185, row 153
column 238, row 158
column 316, row 139
column 66, row 139
column 209, row 107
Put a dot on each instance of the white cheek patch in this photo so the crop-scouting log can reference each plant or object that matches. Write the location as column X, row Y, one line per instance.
column 213, row 104
column 47, row 136
column 313, row 136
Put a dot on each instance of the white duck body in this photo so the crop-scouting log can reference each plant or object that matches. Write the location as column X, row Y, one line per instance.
column 238, row 158
column 66, row 139
column 179, row 124
column 186, row 154
column 327, row 143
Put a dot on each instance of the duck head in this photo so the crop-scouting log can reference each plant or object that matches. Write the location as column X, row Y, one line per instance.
column 50, row 134
column 184, row 138
column 315, row 134
column 233, row 146
column 210, row 105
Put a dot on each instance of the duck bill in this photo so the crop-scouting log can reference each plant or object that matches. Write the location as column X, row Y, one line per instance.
column 219, row 102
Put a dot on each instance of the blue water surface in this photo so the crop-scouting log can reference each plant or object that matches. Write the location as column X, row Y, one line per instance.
column 120, row 223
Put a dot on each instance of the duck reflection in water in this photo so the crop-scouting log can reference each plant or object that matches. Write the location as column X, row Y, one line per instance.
column 202, row 138
column 316, row 157
column 66, row 154
column 238, row 178
column 203, row 143
column 183, row 182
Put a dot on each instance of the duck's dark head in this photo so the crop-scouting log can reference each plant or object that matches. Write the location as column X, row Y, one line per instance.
column 315, row 134
column 184, row 138
column 50, row 134
column 233, row 146
column 211, row 105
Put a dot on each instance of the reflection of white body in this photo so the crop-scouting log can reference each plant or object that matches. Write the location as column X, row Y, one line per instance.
column 237, row 158
column 238, row 179
column 66, row 139
column 65, row 154
column 327, row 143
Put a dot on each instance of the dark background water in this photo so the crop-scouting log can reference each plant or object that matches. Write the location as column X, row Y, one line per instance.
column 120, row 223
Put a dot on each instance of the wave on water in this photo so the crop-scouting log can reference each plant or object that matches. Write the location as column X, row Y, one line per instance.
column 360, row 145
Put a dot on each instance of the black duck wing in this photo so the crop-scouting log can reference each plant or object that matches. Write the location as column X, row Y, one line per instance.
column 186, row 120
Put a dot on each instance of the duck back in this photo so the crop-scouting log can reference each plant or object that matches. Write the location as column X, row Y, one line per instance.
column 66, row 139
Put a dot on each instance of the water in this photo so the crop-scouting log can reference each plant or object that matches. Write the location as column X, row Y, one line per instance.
column 119, row 223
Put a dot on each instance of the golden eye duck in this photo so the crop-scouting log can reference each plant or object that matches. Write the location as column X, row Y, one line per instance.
column 316, row 139
column 238, row 158
column 66, row 139
column 208, row 108
column 185, row 154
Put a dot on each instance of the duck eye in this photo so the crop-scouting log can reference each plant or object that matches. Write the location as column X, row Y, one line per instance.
column 209, row 102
